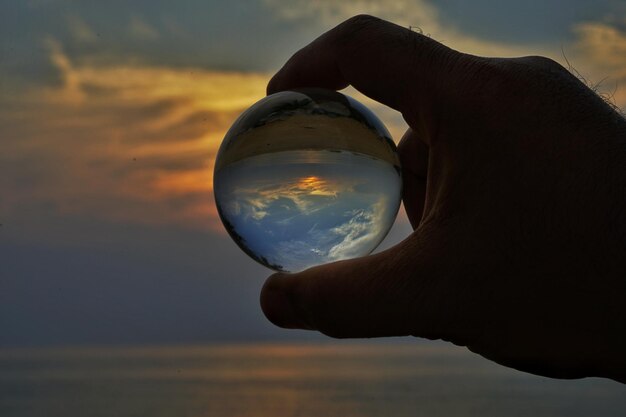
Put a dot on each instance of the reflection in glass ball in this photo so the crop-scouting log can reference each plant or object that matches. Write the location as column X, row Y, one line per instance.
column 306, row 177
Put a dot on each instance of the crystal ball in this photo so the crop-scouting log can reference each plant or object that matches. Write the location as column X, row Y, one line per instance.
column 305, row 177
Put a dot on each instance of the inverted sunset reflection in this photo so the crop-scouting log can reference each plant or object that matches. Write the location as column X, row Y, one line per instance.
column 291, row 215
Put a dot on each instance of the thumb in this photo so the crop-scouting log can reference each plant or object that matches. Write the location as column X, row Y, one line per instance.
column 397, row 292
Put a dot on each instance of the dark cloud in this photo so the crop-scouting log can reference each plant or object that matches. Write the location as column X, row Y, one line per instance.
column 222, row 35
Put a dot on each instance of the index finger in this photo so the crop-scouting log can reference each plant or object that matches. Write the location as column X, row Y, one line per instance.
column 388, row 63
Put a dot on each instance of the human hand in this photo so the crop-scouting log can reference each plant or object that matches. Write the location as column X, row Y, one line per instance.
column 515, row 183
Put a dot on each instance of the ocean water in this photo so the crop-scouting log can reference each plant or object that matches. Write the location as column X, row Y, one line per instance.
column 334, row 379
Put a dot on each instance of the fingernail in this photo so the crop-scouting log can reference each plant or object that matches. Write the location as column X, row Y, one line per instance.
column 278, row 306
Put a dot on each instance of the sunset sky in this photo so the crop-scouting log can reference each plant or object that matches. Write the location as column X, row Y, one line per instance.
column 110, row 117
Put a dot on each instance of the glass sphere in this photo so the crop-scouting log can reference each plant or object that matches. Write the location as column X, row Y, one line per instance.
column 306, row 177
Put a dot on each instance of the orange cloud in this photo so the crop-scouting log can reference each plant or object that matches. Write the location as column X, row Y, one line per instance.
column 122, row 142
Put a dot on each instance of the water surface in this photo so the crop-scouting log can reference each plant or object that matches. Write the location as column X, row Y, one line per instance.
column 339, row 379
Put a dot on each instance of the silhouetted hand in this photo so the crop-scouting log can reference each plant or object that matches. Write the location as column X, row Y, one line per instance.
column 515, row 184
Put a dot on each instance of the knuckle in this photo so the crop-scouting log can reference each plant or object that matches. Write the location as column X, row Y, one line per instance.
column 357, row 25
column 541, row 62
column 361, row 20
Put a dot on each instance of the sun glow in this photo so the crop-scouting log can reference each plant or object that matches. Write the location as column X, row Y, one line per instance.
column 315, row 186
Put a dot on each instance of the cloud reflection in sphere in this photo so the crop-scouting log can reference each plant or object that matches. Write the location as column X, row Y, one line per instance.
column 306, row 177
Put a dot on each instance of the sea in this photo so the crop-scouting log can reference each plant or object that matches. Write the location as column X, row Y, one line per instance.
column 334, row 379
